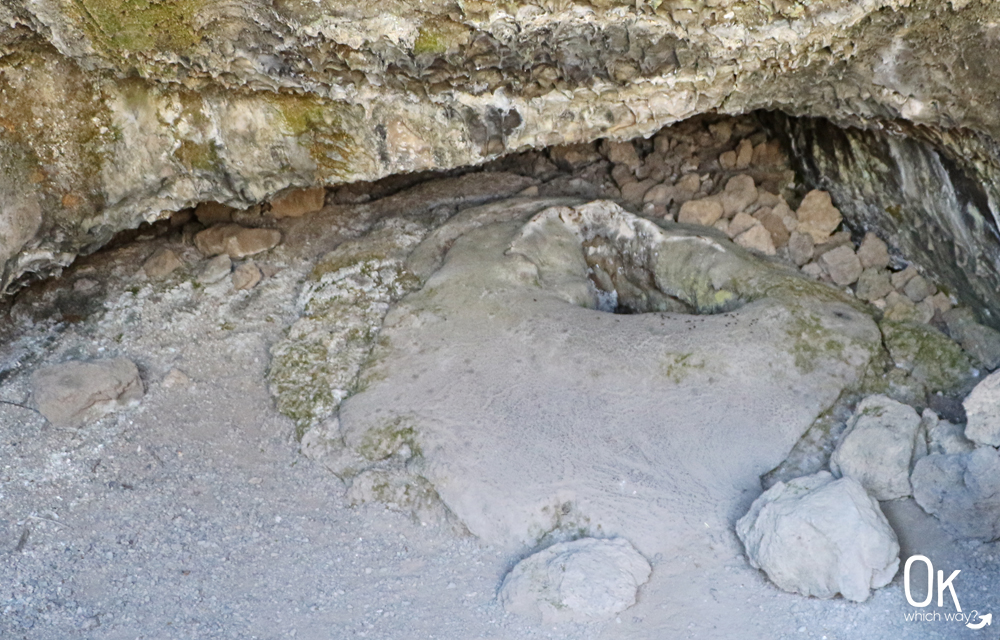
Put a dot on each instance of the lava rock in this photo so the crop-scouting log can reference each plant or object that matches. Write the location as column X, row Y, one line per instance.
column 818, row 536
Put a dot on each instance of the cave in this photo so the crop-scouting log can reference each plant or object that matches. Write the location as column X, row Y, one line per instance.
column 582, row 318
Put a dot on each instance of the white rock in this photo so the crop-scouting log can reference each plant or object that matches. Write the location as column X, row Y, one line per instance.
column 72, row 393
column 878, row 446
column 961, row 490
column 586, row 580
column 982, row 407
column 819, row 537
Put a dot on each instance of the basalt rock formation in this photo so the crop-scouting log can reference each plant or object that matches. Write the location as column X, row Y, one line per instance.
column 113, row 112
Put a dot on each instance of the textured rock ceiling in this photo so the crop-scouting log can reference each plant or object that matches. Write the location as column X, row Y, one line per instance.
column 115, row 111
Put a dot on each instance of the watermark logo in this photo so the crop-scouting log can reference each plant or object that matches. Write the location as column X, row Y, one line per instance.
column 943, row 586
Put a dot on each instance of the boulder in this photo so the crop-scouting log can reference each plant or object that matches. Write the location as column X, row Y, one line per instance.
column 740, row 193
column 962, row 490
column 75, row 392
column 878, row 446
column 982, row 410
column 929, row 356
column 818, row 536
column 756, row 238
column 873, row 284
column 585, row 580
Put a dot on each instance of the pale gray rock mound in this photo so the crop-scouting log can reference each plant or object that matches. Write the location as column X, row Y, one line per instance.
column 877, row 448
column 962, row 490
column 73, row 393
column 980, row 341
column 818, row 536
column 585, row 580
column 537, row 416
column 982, row 409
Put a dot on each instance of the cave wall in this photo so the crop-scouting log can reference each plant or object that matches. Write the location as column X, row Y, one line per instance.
column 934, row 195
column 113, row 112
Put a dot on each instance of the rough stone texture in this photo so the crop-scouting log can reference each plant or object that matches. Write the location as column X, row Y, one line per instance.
column 878, row 447
column 800, row 248
column 756, row 238
column 704, row 212
column 842, row 264
column 982, row 409
column 236, row 241
column 739, row 193
column 819, row 537
column 215, row 269
column 929, row 356
column 817, row 216
column 962, row 490
column 74, row 392
column 586, row 580
column 209, row 213
column 873, row 252
column 246, row 276
column 116, row 112
column 874, row 284
column 296, row 203
column 162, row 263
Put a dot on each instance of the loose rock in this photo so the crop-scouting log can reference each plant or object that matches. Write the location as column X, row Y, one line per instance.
column 800, row 248
column 586, row 580
column 873, row 253
column 918, row 288
column 740, row 223
column 874, row 284
column 176, row 378
column 298, row 202
column 744, row 154
column 900, row 278
column 704, row 212
column 878, row 447
column 943, row 436
column 209, row 213
column 246, row 276
column 623, row 152
column 775, row 226
column 843, row 265
column 660, row 194
column 740, row 193
column 817, row 216
column 162, row 263
column 73, row 393
column 574, row 156
column 756, row 238
column 633, row 192
column 929, row 356
column 819, row 537
column 236, row 241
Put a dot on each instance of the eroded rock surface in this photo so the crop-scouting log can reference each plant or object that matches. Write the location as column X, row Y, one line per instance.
column 116, row 112
column 585, row 580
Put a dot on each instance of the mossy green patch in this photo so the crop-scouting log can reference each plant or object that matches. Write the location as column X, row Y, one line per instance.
column 198, row 156
column 127, row 27
column 381, row 442
column 438, row 35
column 811, row 342
column 322, row 127
column 929, row 355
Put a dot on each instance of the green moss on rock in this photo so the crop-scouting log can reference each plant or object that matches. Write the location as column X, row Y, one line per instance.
column 928, row 355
